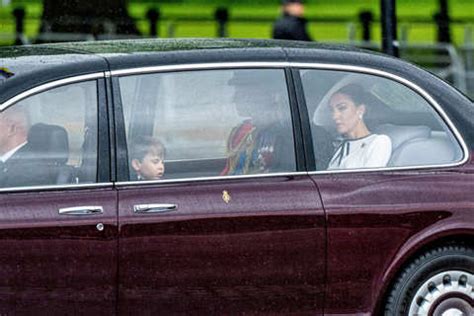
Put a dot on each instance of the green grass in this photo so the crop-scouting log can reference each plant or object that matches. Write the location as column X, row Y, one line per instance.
column 171, row 13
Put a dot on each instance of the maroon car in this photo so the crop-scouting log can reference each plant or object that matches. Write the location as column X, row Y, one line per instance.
column 232, row 177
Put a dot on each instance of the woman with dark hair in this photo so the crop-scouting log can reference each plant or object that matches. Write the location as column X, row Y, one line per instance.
column 359, row 148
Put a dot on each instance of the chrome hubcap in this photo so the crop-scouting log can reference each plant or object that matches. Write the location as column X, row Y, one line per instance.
column 449, row 293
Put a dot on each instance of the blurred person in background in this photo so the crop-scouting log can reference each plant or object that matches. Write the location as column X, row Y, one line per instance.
column 291, row 25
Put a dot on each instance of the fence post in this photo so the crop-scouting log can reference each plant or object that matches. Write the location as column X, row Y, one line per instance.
column 19, row 14
column 366, row 18
column 442, row 20
column 153, row 15
column 388, row 18
column 222, row 16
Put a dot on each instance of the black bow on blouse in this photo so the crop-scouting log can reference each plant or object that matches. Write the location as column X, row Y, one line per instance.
column 345, row 149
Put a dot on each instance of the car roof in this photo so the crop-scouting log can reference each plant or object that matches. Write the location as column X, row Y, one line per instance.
column 129, row 46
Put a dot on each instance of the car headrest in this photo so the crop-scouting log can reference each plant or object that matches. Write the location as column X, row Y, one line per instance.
column 430, row 151
column 399, row 134
column 49, row 143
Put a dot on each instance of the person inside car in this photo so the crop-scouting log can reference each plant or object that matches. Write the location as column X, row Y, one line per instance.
column 31, row 155
column 13, row 147
column 147, row 159
column 257, row 144
column 359, row 147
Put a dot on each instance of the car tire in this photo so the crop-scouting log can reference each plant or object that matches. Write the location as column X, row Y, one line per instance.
column 438, row 282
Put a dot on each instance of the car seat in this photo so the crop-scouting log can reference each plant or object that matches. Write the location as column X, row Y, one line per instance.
column 49, row 149
column 417, row 145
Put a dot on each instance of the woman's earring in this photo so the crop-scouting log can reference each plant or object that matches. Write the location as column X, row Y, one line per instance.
column 360, row 116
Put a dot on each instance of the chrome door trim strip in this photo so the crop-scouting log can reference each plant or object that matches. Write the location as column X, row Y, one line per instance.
column 47, row 86
column 57, row 187
column 213, row 178
column 414, row 169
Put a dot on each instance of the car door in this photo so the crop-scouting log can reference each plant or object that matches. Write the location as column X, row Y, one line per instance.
column 233, row 225
column 58, row 219
column 375, row 205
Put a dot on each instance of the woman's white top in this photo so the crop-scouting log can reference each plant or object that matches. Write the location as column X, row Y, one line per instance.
column 371, row 151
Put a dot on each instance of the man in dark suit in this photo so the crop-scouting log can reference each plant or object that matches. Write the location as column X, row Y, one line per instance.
column 14, row 157
column 291, row 25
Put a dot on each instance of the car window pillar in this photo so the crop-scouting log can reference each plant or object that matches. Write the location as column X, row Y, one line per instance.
column 120, row 139
column 104, row 150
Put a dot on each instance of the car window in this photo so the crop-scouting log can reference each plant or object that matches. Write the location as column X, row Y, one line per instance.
column 208, row 123
column 50, row 138
column 362, row 121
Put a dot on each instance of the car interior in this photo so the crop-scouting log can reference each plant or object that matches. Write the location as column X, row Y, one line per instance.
column 49, row 147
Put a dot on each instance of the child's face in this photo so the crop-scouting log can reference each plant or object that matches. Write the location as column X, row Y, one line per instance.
column 150, row 168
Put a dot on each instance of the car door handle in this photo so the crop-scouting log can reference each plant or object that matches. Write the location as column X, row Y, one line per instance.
column 81, row 210
column 154, row 208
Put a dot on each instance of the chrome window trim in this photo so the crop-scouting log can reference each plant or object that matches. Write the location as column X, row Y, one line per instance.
column 56, row 187
column 201, row 66
column 384, row 169
column 48, row 86
column 213, row 178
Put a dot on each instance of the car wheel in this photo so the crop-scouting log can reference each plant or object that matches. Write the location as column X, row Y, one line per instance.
column 440, row 282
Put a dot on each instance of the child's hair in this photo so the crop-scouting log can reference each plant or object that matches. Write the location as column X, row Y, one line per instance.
column 141, row 146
